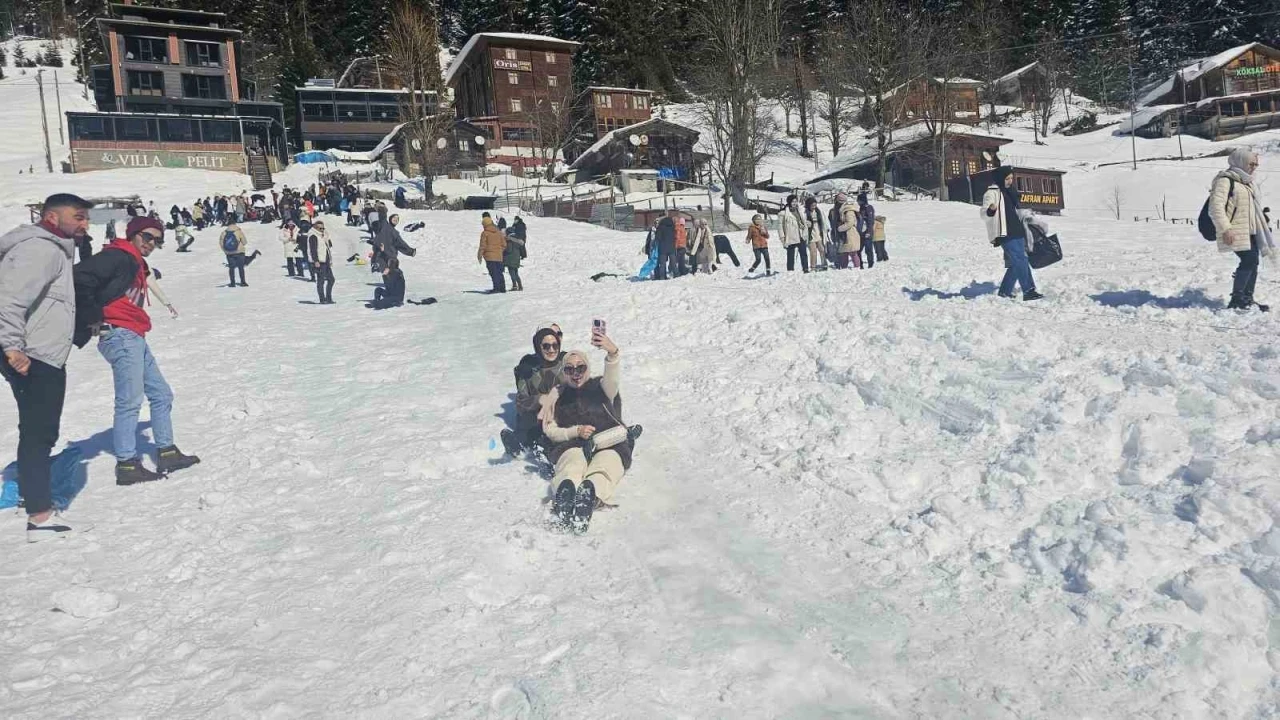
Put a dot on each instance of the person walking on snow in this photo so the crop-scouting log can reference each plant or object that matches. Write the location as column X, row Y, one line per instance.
column 515, row 251
column 850, row 228
column 758, row 236
column 703, row 249
column 490, row 253
column 289, row 244
column 321, row 249
column 584, row 407
column 815, row 232
column 37, row 325
column 792, row 234
column 234, row 246
column 1242, row 228
column 682, row 248
column 111, row 291
column 1004, row 219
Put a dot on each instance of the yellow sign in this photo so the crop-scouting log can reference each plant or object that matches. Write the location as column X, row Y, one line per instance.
column 1038, row 199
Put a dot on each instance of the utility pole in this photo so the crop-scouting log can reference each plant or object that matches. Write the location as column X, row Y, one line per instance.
column 1133, row 109
column 44, row 120
column 57, row 92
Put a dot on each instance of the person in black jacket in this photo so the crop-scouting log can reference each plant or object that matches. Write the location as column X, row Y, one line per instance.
column 391, row 294
column 665, row 236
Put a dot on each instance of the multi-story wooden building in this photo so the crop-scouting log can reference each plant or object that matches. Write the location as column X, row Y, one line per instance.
column 510, row 83
column 1225, row 96
column 352, row 118
column 613, row 108
column 169, row 71
column 929, row 97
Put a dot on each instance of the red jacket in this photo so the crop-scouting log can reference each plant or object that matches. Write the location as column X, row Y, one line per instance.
column 126, row 311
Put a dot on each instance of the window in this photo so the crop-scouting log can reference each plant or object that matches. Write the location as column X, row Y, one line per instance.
column 513, row 78
column 384, row 113
column 178, row 130
column 511, row 53
column 551, row 58
column 639, row 102
column 203, row 54
column 219, row 131
column 955, row 167
column 463, row 146
column 604, row 100
column 146, row 49
column 519, row 134
column 1049, row 186
column 353, row 112
column 553, row 81
column 205, row 87
column 135, row 129
column 317, row 111
column 1023, row 184
column 972, row 166
column 516, row 105
column 91, row 128
column 146, row 83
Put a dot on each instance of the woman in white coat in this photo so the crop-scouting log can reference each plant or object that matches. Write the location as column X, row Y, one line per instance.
column 289, row 243
column 702, row 248
column 1237, row 217
column 793, row 236
column 1005, row 228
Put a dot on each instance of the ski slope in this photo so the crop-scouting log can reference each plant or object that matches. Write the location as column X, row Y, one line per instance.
column 881, row 494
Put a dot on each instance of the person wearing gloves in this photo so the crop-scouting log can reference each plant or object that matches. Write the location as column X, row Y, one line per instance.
column 37, row 327
column 1242, row 228
column 289, row 244
column 586, row 407
column 493, row 246
column 320, row 246
column 850, row 229
column 702, row 251
column 112, row 290
column 815, row 232
column 1004, row 219
column 758, row 236
column 792, row 226
column 536, row 375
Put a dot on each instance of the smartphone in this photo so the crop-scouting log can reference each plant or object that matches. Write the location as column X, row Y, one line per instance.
column 598, row 327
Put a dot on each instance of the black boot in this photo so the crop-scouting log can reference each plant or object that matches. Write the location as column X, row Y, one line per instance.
column 584, row 503
column 511, row 443
column 169, row 459
column 132, row 472
column 562, row 504
column 1261, row 307
column 1237, row 303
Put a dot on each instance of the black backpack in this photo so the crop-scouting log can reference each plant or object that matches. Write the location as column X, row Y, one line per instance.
column 1207, row 229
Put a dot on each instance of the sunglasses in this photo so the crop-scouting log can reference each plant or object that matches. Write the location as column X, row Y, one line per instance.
column 575, row 370
column 550, row 346
column 151, row 237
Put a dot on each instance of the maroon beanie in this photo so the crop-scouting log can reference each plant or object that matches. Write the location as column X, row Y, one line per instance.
column 139, row 224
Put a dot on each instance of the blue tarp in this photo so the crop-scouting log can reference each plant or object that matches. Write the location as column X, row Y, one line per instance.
column 314, row 156
column 646, row 271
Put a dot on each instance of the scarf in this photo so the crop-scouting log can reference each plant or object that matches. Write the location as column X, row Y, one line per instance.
column 1266, row 242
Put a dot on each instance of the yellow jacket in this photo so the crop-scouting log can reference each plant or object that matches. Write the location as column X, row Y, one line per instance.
column 492, row 243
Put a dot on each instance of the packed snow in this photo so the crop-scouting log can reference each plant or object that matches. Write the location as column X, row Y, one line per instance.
column 882, row 493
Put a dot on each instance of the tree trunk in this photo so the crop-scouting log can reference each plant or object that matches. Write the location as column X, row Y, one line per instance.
column 804, row 123
column 942, row 168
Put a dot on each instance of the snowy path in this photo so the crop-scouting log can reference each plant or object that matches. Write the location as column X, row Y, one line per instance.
column 848, row 502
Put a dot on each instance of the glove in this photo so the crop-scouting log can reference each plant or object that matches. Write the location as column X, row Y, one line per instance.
column 997, row 242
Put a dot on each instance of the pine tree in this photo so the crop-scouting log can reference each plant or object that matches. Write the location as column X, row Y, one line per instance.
column 52, row 56
column 19, row 55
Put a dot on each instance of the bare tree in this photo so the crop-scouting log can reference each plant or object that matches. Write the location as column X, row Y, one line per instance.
column 939, row 93
column 986, row 32
column 1054, row 59
column 883, row 57
column 720, row 131
column 739, row 41
column 1114, row 200
column 411, row 46
column 556, row 124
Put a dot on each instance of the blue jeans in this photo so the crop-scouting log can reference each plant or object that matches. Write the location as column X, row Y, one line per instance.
column 136, row 374
column 1019, row 268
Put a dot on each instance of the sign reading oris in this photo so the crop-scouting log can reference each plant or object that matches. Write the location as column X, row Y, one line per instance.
column 523, row 65
column 85, row 159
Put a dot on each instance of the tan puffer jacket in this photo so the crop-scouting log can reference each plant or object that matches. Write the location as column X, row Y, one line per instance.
column 849, row 226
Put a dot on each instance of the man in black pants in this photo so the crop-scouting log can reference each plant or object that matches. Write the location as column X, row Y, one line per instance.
column 37, row 324
column 665, row 236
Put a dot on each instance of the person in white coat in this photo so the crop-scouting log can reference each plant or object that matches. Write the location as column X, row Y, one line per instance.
column 793, row 236
column 320, row 248
column 815, row 234
column 850, row 229
column 1005, row 229
column 289, row 244
column 702, row 248
column 1241, row 226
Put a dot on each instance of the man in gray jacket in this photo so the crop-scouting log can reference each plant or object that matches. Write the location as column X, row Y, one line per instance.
column 37, row 323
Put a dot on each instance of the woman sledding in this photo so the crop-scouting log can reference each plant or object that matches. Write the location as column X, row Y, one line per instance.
column 591, row 448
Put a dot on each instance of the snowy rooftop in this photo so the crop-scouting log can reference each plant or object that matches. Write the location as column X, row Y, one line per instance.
column 865, row 149
column 610, row 136
column 620, row 89
column 1017, row 73
column 465, row 52
column 1192, row 72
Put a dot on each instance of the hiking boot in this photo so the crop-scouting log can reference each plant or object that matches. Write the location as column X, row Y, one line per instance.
column 1031, row 295
column 55, row 526
column 1005, row 294
column 169, row 459
column 1261, row 307
column 510, row 443
column 562, row 504
column 132, row 472
column 584, row 503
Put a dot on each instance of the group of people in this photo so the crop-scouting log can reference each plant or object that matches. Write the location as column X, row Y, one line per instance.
column 502, row 248
column 575, row 420
column 48, row 303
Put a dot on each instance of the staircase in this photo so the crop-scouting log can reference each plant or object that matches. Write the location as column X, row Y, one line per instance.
column 260, row 171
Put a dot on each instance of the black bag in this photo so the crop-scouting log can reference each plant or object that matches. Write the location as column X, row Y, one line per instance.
column 1046, row 251
column 1205, row 222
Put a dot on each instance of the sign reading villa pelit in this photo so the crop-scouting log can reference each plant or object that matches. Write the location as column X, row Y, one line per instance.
column 84, row 159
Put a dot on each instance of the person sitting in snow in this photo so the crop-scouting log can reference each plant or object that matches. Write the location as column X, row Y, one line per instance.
column 591, row 446
column 391, row 294
column 537, row 374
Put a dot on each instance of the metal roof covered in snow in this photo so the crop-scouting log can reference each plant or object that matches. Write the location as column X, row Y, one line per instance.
column 1193, row 72
column 476, row 39
column 865, row 148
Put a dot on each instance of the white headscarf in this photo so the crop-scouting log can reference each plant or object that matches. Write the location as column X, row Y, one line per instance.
column 1238, row 164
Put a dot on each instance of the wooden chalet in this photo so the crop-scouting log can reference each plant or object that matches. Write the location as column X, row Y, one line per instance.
column 1022, row 87
column 926, row 96
column 911, row 159
column 654, row 144
column 1233, row 93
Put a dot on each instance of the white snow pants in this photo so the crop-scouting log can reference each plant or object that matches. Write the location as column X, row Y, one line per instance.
column 604, row 471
